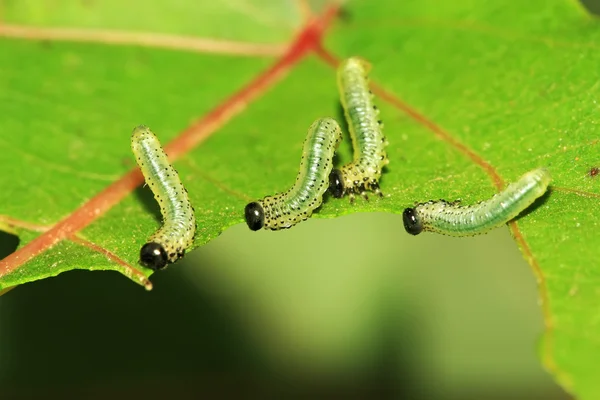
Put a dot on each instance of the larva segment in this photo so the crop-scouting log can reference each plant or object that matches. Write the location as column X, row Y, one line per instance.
column 363, row 173
column 454, row 220
column 170, row 242
column 286, row 209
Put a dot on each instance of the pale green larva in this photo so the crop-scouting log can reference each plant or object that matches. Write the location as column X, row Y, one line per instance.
column 286, row 209
column 176, row 235
column 363, row 173
column 454, row 220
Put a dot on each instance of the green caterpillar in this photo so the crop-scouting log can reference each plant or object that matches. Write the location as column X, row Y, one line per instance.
column 363, row 173
column 176, row 235
column 286, row 209
column 451, row 219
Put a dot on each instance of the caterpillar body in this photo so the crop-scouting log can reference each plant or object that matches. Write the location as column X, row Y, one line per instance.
column 176, row 235
column 454, row 220
column 363, row 173
column 286, row 209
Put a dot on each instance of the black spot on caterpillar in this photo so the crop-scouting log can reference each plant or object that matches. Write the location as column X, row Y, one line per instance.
column 176, row 235
column 286, row 209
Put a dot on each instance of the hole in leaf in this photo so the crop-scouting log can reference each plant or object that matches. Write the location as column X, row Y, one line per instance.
column 8, row 244
column 592, row 6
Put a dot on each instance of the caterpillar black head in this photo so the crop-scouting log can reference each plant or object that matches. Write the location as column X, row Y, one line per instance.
column 153, row 256
column 255, row 216
column 336, row 183
column 412, row 222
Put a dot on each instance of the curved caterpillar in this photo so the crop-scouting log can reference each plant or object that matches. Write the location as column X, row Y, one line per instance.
column 363, row 173
column 169, row 243
column 451, row 219
column 286, row 209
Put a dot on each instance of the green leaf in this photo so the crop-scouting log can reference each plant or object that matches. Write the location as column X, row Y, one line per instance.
column 476, row 92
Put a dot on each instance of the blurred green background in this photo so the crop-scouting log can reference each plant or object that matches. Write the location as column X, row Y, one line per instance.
column 350, row 306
